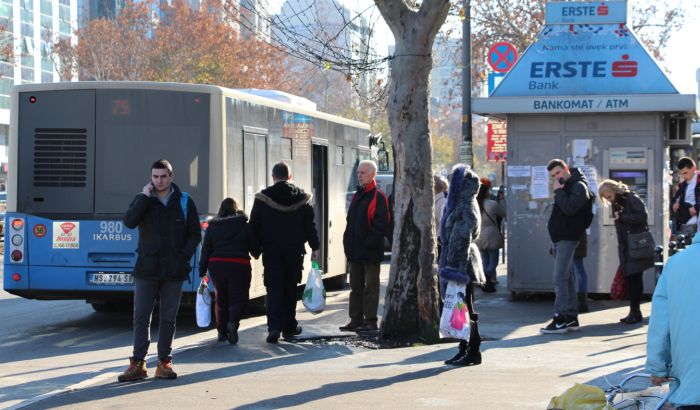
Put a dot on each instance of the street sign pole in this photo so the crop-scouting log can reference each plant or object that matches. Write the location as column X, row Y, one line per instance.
column 465, row 151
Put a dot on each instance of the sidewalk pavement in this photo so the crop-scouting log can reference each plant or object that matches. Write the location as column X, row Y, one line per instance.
column 521, row 368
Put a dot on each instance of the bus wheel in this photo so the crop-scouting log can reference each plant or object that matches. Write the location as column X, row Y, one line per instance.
column 104, row 307
column 337, row 282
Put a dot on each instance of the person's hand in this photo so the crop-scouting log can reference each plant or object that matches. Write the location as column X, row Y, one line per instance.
column 147, row 189
column 692, row 211
column 315, row 255
column 657, row 381
column 676, row 206
column 556, row 185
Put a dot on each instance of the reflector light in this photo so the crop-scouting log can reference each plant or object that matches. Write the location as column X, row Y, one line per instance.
column 16, row 256
column 17, row 224
column 204, row 225
column 17, row 240
column 16, row 277
column 32, row 99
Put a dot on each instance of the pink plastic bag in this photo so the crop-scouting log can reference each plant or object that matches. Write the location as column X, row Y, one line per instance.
column 454, row 321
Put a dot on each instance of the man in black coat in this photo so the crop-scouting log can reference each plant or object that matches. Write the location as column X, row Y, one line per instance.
column 283, row 221
column 566, row 225
column 363, row 240
column 169, row 233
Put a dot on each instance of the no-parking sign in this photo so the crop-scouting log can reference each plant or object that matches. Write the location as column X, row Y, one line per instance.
column 502, row 56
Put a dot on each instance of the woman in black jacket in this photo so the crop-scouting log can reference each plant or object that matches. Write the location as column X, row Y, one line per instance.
column 630, row 216
column 228, row 243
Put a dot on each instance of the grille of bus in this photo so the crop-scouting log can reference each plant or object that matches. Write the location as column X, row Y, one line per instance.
column 60, row 157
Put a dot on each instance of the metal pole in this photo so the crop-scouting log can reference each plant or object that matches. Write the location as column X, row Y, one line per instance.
column 466, row 154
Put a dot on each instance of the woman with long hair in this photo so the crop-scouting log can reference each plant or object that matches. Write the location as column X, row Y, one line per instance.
column 226, row 249
column 490, row 239
column 630, row 217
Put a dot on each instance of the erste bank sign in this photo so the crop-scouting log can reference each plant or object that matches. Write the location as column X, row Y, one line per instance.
column 585, row 59
column 601, row 12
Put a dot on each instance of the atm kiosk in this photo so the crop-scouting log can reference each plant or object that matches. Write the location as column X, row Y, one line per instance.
column 588, row 92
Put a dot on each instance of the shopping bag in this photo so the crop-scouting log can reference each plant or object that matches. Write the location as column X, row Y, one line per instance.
column 454, row 321
column 203, row 304
column 618, row 289
column 314, row 297
column 581, row 397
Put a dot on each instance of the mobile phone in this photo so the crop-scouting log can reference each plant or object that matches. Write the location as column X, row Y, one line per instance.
column 562, row 181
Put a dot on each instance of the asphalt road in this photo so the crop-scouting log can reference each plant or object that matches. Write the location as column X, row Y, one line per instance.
column 51, row 345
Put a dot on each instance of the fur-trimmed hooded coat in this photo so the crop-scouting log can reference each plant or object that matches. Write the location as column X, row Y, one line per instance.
column 282, row 218
column 460, row 259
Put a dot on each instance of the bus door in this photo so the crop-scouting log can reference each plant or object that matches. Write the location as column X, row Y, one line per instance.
column 319, row 177
column 255, row 175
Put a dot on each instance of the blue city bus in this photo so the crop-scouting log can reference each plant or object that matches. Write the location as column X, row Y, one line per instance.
column 79, row 152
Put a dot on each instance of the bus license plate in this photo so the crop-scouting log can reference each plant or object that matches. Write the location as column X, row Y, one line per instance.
column 111, row 278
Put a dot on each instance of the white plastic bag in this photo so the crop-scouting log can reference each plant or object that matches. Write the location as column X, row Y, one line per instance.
column 454, row 321
column 314, row 298
column 203, row 304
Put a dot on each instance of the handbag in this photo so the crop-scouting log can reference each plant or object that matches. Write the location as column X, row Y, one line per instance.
column 640, row 245
column 203, row 304
column 618, row 288
column 314, row 297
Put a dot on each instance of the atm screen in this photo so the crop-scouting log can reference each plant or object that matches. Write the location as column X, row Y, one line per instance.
column 636, row 180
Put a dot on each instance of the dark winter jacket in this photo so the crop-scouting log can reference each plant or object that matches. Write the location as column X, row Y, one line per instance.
column 683, row 215
column 228, row 237
column 632, row 218
column 282, row 217
column 166, row 241
column 363, row 239
column 566, row 222
column 459, row 257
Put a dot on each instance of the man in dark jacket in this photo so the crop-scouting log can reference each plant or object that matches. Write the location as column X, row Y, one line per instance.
column 566, row 225
column 168, row 236
column 283, row 221
column 686, row 201
column 363, row 240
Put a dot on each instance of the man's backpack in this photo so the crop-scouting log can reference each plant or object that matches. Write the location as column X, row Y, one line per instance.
column 587, row 210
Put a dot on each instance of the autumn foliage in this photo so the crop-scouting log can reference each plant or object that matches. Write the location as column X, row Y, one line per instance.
column 174, row 43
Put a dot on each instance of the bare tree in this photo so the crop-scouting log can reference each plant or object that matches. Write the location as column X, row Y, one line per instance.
column 411, row 306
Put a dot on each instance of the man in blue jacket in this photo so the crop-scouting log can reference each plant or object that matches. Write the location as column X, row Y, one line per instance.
column 673, row 335
column 169, row 233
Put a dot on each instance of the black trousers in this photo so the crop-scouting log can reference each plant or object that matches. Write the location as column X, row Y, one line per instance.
column 232, row 283
column 474, row 337
column 283, row 268
column 145, row 294
column 635, row 287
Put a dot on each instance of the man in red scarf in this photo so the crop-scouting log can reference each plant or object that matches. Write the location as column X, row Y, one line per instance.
column 367, row 224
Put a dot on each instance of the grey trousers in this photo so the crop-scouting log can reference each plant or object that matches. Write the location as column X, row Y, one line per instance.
column 565, row 302
column 145, row 294
column 364, row 292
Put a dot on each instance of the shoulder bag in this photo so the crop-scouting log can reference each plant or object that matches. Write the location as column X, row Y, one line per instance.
column 640, row 245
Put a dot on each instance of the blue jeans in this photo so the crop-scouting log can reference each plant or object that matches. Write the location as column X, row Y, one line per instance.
column 489, row 260
column 581, row 276
column 565, row 301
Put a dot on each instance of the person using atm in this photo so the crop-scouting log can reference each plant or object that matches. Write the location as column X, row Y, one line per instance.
column 686, row 202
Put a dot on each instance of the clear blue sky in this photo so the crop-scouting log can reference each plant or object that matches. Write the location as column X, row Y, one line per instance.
column 682, row 56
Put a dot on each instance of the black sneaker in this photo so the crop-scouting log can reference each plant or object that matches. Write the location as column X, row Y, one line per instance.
column 556, row 326
column 572, row 323
column 472, row 358
column 291, row 335
column 456, row 357
column 272, row 337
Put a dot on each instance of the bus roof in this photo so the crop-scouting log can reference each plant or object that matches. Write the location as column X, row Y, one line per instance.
column 200, row 88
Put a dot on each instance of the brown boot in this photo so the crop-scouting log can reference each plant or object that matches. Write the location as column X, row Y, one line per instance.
column 165, row 369
column 136, row 371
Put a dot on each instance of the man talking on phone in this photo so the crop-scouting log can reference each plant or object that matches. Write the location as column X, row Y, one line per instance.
column 566, row 224
column 169, row 232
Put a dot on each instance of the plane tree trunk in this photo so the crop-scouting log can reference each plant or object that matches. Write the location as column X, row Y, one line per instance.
column 411, row 303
